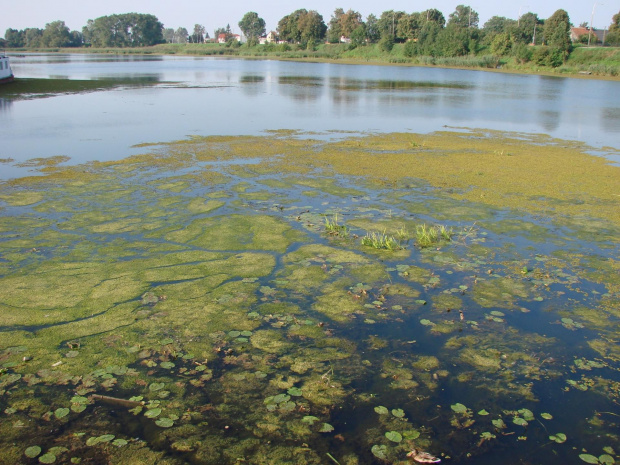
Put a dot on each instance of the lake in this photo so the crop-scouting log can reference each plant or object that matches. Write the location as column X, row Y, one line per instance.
column 204, row 96
column 266, row 262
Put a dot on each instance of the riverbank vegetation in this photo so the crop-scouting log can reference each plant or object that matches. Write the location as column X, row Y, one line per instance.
column 528, row 44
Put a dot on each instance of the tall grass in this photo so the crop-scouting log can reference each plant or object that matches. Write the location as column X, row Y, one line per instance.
column 381, row 241
column 427, row 236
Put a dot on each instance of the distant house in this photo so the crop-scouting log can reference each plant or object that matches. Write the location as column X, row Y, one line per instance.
column 345, row 40
column 577, row 32
column 269, row 38
column 221, row 39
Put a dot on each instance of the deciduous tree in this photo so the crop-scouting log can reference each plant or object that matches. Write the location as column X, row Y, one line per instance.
column 557, row 32
column 252, row 26
column 463, row 16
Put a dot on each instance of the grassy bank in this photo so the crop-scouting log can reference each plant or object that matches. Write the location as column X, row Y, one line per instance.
column 598, row 62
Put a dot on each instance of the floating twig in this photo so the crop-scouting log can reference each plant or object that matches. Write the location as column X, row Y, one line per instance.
column 117, row 401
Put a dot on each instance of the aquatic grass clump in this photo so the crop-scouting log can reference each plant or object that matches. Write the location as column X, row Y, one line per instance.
column 333, row 228
column 381, row 241
column 426, row 236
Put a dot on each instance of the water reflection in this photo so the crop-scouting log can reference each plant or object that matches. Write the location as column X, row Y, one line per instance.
column 610, row 119
column 5, row 104
column 302, row 96
column 301, row 88
column 550, row 120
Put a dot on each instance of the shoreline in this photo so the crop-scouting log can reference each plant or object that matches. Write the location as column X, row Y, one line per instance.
column 277, row 56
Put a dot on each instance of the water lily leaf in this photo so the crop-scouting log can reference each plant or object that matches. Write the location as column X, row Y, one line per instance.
column 458, row 408
column 609, row 450
column 47, row 458
column 420, row 302
column 527, row 414
column 411, row 434
column 166, row 365
column 379, row 451
column 281, row 398
column 499, row 423
column 234, row 334
column 558, row 437
column 166, row 341
column 32, row 451
column 92, row 441
column 156, row 386
column 326, row 428
column 519, row 421
column 398, row 413
column 246, row 333
column 483, row 412
column 165, row 422
column 381, row 410
column 588, row 458
column 152, row 413
column 105, row 438
column 61, row 412
column 487, row 435
column 78, row 408
column 546, row 416
column 606, row 459
column 394, row 436
column 426, row 322
column 309, row 419
column 79, row 400
column 496, row 313
column 294, row 391
column 119, row 442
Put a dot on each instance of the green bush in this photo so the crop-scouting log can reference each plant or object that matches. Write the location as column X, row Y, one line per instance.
column 386, row 44
column 522, row 52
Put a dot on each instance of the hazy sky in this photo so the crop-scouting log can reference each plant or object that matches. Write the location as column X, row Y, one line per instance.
column 212, row 14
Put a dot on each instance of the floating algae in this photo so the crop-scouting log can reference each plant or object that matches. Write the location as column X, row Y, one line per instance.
column 195, row 288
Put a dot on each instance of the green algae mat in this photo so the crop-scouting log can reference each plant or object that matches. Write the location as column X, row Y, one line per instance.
column 287, row 298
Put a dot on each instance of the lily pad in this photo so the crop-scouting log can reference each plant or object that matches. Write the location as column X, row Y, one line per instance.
column 606, row 459
column 47, row 458
column 326, row 428
column 152, row 413
column 546, row 416
column 379, row 451
column 483, row 412
column 458, row 408
column 310, row 419
column 394, row 436
column 32, row 451
column 381, row 410
column 398, row 413
column 519, row 421
column 499, row 423
column 294, row 391
column 166, row 365
column 558, row 437
column 61, row 412
column 588, row 458
column 165, row 422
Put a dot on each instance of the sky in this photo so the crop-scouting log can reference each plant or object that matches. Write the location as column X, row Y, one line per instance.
column 213, row 14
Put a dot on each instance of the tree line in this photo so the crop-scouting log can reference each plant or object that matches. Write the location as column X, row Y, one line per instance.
column 425, row 33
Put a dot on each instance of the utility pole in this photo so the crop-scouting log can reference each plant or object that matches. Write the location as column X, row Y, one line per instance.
column 591, row 22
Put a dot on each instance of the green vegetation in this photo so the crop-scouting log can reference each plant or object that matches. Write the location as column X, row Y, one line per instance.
column 149, row 298
column 528, row 44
